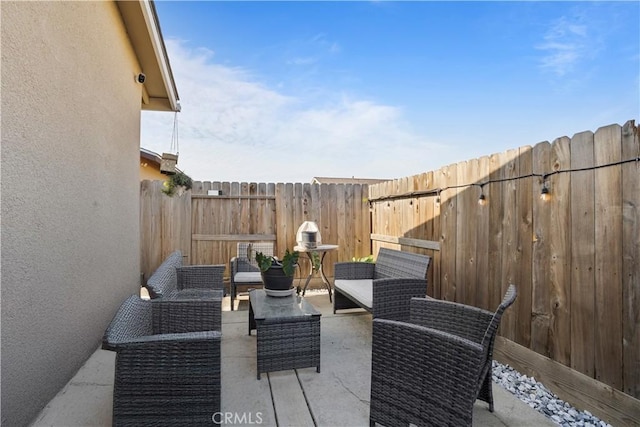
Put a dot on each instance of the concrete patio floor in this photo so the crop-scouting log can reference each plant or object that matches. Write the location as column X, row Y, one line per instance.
column 337, row 396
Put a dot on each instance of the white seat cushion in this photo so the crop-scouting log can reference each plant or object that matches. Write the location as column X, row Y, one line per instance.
column 361, row 290
column 248, row 277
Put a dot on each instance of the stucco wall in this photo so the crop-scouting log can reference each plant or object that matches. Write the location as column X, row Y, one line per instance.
column 151, row 171
column 70, row 191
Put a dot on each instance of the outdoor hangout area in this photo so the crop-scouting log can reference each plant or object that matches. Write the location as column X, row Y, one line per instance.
column 209, row 285
column 400, row 299
column 339, row 395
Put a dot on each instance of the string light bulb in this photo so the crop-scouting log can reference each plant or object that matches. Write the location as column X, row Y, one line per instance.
column 544, row 192
column 482, row 200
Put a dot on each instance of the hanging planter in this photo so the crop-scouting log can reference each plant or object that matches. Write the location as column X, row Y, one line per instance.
column 169, row 160
column 168, row 163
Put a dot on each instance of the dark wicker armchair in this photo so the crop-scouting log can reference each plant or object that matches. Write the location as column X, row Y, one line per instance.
column 244, row 268
column 174, row 280
column 430, row 371
column 167, row 368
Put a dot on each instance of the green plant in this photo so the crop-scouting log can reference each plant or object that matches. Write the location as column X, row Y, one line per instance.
column 315, row 260
column 288, row 262
column 176, row 180
column 368, row 258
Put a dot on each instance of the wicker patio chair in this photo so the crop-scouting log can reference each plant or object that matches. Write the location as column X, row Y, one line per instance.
column 244, row 268
column 174, row 280
column 167, row 368
column 430, row 371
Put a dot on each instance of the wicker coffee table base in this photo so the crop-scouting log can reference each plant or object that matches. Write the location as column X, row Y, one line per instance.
column 286, row 342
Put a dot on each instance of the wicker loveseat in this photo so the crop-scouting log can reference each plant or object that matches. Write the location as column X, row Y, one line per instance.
column 383, row 288
column 173, row 280
column 167, row 368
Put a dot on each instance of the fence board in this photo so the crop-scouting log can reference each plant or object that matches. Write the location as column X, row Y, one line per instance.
column 608, row 263
column 524, row 249
column 496, row 218
column 631, row 258
column 437, row 236
column 332, row 231
column 467, row 205
column 150, row 236
column 540, row 271
column 430, row 221
column 342, row 213
column 448, row 206
column 363, row 226
column 582, row 255
column 482, row 241
column 560, row 253
column 510, row 255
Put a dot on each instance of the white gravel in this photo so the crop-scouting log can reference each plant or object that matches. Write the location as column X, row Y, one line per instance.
column 540, row 398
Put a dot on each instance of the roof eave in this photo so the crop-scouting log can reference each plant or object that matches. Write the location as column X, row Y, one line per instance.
column 143, row 28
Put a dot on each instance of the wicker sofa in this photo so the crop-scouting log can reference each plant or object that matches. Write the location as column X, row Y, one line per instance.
column 384, row 288
column 167, row 368
column 173, row 280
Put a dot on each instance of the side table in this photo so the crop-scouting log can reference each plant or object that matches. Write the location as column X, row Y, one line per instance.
column 310, row 251
column 288, row 332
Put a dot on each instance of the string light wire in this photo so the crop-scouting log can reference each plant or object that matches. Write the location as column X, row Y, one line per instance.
column 437, row 191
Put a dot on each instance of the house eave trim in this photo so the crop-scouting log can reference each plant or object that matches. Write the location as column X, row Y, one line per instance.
column 151, row 21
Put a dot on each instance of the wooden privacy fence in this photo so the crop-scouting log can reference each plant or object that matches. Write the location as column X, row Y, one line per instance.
column 574, row 257
column 206, row 228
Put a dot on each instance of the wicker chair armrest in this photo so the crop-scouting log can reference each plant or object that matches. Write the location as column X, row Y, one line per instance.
column 458, row 319
column 243, row 265
column 201, row 276
column 233, row 266
column 178, row 315
column 131, row 320
column 151, row 343
column 422, row 373
column 353, row 270
column 392, row 297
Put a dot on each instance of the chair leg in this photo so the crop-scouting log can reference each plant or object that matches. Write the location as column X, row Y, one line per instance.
column 232, row 291
column 486, row 391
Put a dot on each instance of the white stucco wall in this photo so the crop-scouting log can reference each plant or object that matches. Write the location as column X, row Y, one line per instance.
column 70, row 191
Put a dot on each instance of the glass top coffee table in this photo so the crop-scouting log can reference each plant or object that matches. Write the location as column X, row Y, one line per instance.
column 288, row 332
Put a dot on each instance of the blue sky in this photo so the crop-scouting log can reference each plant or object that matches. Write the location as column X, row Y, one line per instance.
column 285, row 91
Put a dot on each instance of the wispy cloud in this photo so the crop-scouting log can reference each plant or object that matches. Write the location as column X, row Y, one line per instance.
column 566, row 44
column 232, row 127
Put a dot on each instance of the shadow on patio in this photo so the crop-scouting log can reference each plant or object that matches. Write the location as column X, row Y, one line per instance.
column 337, row 396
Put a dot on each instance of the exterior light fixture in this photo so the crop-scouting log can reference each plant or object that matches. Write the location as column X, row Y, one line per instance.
column 482, row 200
column 544, row 193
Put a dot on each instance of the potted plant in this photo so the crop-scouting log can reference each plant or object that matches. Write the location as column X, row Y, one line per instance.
column 277, row 275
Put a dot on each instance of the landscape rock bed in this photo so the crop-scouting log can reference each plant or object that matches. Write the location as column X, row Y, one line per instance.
column 540, row 398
